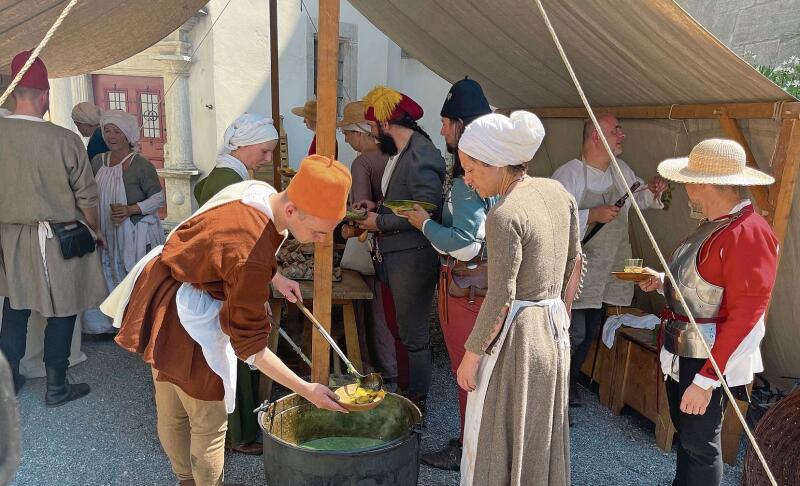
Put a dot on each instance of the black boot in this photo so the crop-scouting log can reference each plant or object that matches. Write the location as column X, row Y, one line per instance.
column 447, row 458
column 574, row 395
column 59, row 390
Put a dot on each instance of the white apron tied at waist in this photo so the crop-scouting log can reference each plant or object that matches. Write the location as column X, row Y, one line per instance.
column 559, row 322
column 199, row 314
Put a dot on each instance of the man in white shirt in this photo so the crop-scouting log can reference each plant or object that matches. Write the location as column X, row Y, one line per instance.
column 595, row 186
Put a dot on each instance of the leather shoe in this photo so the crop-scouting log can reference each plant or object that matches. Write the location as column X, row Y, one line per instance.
column 447, row 458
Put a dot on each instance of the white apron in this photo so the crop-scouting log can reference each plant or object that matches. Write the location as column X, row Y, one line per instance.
column 559, row 320
column 125, row 244
column 197, row 310
column 605, row 252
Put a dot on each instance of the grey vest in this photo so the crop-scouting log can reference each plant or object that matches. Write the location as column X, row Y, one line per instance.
column 701, row 297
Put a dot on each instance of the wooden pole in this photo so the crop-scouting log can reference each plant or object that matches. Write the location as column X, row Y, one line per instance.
column 327, row 61
column 277, row 181
column 785, row 160
column 760, row 193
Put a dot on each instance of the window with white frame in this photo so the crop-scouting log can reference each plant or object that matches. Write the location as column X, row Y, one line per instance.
column 346, row 74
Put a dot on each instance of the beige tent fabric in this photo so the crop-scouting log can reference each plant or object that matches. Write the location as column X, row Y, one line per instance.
column 647, row 143
column 625, row 52
column 96, row 34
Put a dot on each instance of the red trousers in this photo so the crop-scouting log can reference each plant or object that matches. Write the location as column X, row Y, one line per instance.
column 400, row 349
column 457, row 318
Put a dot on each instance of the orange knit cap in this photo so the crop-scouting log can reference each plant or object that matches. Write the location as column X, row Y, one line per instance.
column 320, row 187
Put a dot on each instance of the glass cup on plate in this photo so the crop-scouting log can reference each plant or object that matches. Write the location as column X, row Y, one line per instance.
column 633, row 265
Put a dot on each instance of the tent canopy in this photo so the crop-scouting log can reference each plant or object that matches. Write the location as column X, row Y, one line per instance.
column 646, row 57
column 96, row 33
column 624, row 53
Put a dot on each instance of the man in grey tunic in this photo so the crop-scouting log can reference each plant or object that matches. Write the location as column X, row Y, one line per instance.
column 52, row 183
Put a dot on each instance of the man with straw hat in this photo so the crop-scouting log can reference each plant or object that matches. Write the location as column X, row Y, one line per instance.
column 196, row 305
column 725, row 271
column 309, row 114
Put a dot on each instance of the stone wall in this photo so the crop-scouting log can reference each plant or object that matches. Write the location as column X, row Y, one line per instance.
column 767, row 29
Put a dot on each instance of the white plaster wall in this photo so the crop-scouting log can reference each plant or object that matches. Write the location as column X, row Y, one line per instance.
column 201, row 93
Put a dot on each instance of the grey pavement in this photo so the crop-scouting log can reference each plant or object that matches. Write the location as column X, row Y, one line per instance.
column 109, row 437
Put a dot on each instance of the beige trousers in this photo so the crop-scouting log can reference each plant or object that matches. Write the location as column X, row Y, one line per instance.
column 192, row 433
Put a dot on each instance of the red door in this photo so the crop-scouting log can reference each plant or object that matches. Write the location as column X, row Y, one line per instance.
column 143, row 97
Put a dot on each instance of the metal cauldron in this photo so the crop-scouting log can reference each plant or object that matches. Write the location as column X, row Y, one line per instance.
column 292, row 421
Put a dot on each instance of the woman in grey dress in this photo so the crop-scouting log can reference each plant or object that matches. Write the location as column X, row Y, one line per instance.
column 516, row 363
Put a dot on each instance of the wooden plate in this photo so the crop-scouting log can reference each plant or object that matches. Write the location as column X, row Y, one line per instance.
column 344, row 393
column 400, row 206
column 631, row 276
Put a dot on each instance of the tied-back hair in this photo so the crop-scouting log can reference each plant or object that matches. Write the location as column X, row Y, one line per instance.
column 408, row 122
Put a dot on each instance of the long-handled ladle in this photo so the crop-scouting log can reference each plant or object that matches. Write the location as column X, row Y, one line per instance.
column 372, row 381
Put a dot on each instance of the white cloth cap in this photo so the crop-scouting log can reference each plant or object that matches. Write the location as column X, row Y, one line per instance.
column 87, row 113
column 501, row 141
column 126, row 122
column 249, row 129
column 4, row 112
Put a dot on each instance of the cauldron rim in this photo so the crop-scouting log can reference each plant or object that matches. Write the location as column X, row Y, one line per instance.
column 413, row 429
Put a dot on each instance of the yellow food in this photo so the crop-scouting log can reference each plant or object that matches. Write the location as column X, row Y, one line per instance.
column 363, row 396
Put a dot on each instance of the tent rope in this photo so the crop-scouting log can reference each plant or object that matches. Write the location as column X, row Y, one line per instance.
column 660, row 255
column 38, row 49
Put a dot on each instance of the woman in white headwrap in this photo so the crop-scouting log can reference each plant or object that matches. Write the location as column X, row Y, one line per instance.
column 516, row 363
column 86, row 117
column 130, row 197
column 248, row 144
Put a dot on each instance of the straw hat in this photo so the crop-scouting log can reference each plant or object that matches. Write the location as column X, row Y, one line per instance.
column 308, row 110
column 353, row 118
column 714, row 161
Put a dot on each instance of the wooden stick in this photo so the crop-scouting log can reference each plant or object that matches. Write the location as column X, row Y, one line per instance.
column 274, row 78
column 328, row 59
column 760, row 193
column 784, row 165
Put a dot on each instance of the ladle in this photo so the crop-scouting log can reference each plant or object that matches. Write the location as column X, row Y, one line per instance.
column 372, row 381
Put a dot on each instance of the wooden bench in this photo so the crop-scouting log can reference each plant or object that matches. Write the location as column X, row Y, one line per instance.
column 637, row 382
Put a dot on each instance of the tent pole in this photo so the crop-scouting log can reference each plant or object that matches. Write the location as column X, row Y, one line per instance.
column 274, row 80
column 760, row 193
column 784, row 164
column 327, row 60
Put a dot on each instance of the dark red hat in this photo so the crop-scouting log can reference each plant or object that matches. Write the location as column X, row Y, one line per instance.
column 36, row 75
column 385, row 104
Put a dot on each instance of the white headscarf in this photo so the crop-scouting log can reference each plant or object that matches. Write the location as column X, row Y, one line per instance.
column 4, row 112
column 248, row 129
column 126, row 122
column 87, row 113
column 501, row 141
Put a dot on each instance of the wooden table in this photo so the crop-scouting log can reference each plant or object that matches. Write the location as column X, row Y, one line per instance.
column 352, row 288
column 638, row 383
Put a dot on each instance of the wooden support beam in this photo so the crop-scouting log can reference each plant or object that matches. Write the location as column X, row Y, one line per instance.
column 760, row 193
column 786, row 110
column 274, row 78
column 785, row 160
column 328, row 60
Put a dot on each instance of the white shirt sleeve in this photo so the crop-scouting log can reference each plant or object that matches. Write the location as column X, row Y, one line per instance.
column 570, row 175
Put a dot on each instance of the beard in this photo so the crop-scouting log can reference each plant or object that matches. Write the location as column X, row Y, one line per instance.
column 386, row 143
column 695, row 211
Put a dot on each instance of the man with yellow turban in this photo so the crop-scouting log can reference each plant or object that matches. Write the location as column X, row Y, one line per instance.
column 196, row 306
column 407, row 262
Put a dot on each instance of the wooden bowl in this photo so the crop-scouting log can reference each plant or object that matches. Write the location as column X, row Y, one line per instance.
column 631, row 276
column 345, row 392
